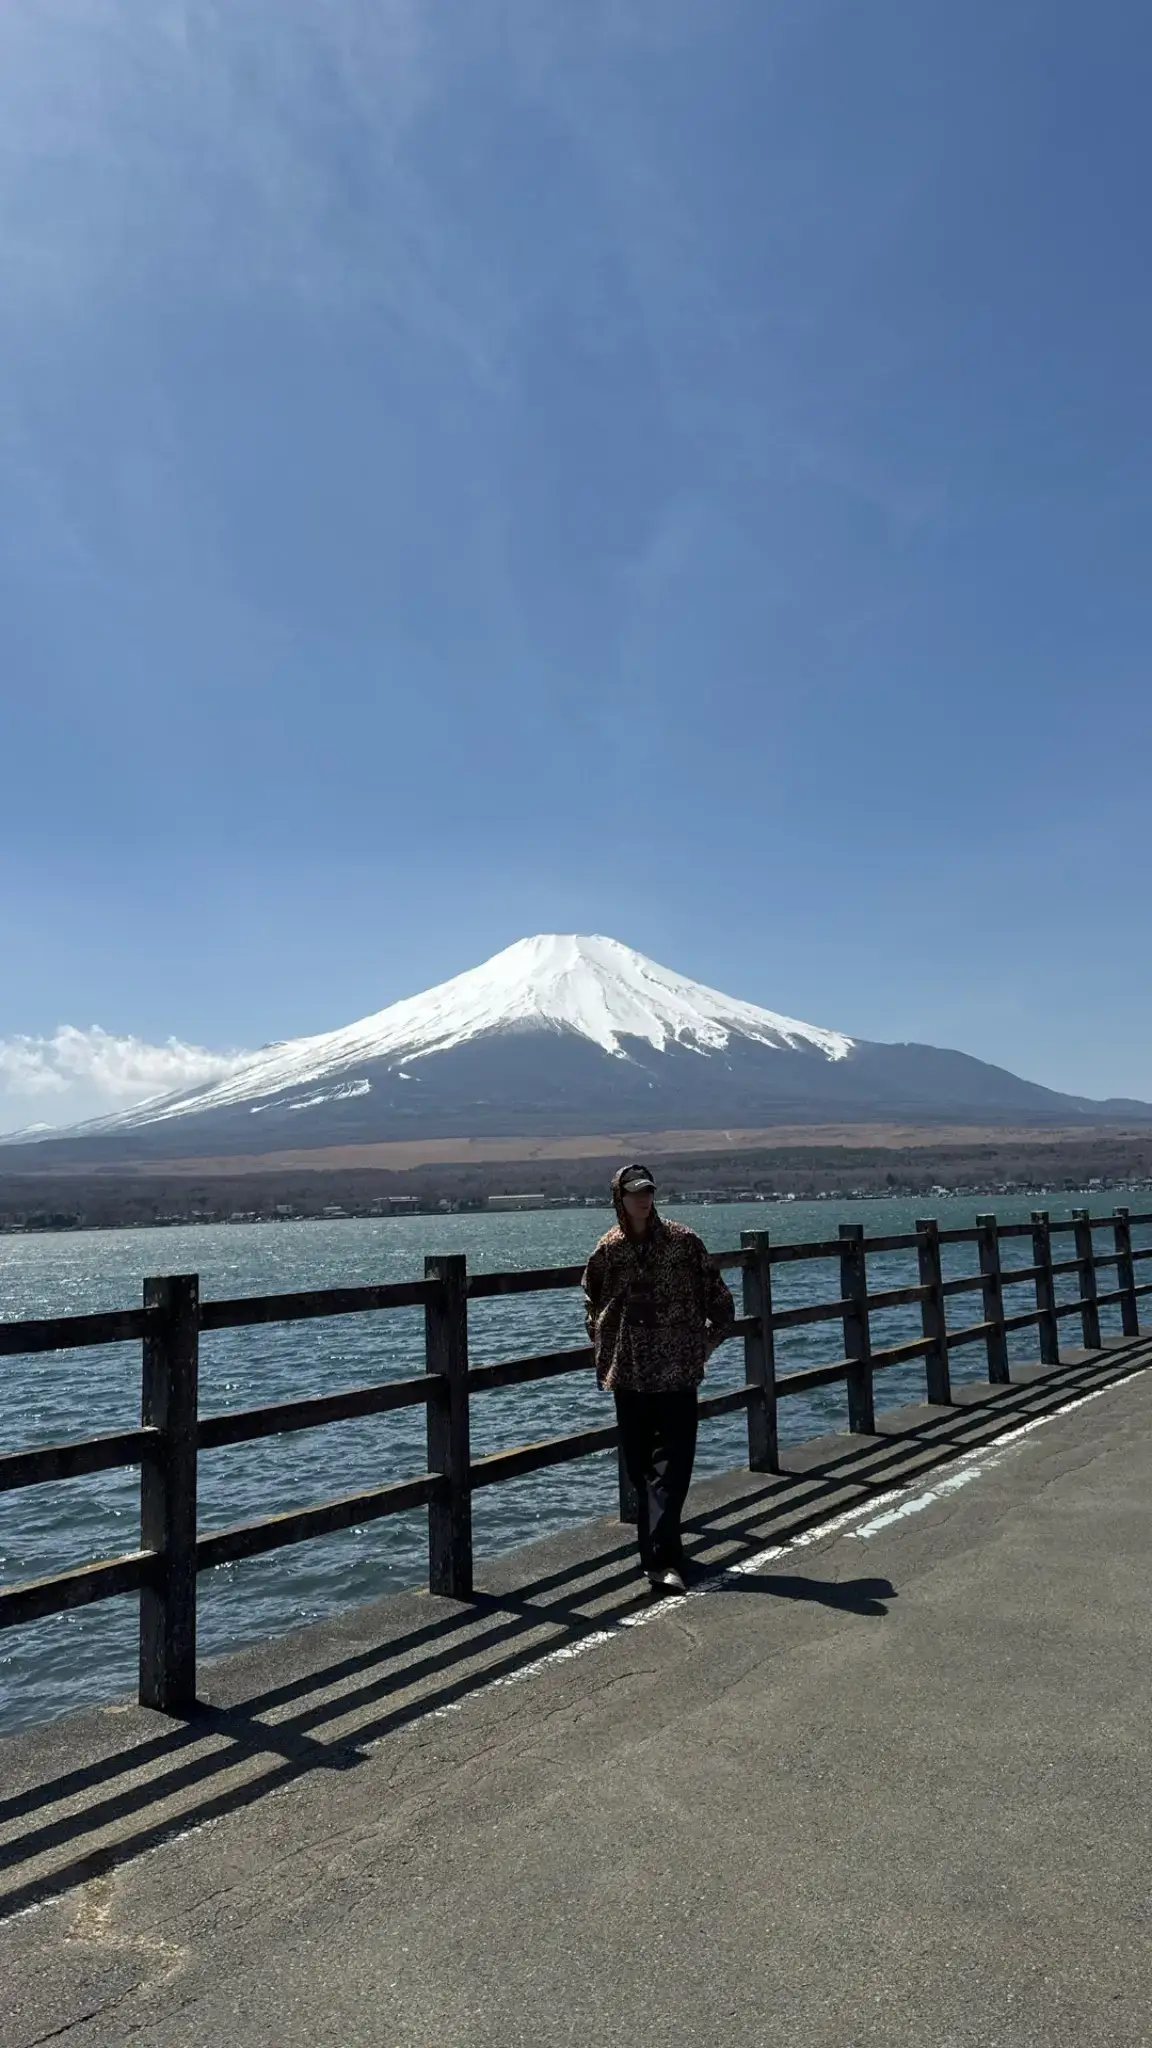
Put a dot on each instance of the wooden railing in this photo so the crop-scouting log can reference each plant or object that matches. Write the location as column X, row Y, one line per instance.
column 172, row 1432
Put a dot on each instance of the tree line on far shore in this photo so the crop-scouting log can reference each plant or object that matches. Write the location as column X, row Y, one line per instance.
column 985, row 1167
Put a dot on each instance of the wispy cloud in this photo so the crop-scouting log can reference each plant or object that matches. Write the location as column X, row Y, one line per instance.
column 82, row 1072
column 243, row 153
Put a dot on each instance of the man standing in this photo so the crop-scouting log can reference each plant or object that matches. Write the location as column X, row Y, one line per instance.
column 656, row 1308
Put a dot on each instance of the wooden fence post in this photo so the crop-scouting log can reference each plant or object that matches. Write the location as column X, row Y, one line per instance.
column 857, row 1338
column 993, row 1296
column 760, row 1354
column 1126, row 1273
column 1089, row 1314
column 169, row 1404
column 449, row 1439
column 1049, row 1327
column 933, row 1316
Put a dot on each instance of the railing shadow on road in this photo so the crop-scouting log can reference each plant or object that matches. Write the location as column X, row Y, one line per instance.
column 227, row 1756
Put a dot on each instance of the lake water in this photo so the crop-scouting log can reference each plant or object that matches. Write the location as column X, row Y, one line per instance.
column 69, row 1660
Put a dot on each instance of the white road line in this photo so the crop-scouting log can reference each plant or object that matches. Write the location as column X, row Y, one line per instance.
column 971, row 1465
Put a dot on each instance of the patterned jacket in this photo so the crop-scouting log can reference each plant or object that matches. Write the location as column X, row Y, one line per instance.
column 654, row 1308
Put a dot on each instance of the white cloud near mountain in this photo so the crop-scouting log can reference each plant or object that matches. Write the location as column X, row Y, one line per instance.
column 78, row 1073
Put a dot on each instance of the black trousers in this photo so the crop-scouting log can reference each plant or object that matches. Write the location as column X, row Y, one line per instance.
column 658, row 1439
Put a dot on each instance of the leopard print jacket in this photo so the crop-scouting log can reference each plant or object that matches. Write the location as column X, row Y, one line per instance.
column 655, row 1307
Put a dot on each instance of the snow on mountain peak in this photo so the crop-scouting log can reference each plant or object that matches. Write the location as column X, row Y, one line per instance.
column 605, row 992
column 595, row 987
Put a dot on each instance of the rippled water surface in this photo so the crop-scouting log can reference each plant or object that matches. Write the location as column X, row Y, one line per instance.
column 51, row 1666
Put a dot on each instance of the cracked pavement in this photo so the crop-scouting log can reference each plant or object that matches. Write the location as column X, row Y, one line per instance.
column 883, row 1788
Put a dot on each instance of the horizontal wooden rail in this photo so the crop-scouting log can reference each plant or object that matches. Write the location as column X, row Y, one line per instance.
column 1028, row 1319
column 516, row 1372
column 1070, row 1308
column 544, row 1281
column 243, row 1425
column 730, row 1403
column 173, row 1433
column 812, row 1376
column 1113, row 1294
column 901, row 1354
column 556, row 1450
column 789, row 1254
column 38, row 1598
column 247, row 1310
column 75, row 1333
column 898, row 1297
column 1012, row 1276
column 973, row 1333
column 249, row 1539
column 549, row 1279
column 74, row 1460
column 965, row 1283
column 809, row 1312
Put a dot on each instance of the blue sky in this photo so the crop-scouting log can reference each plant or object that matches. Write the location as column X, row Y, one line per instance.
column 674, row 468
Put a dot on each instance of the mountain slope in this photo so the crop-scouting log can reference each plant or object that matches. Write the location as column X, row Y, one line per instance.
column 558, row 1036
column 594, row 989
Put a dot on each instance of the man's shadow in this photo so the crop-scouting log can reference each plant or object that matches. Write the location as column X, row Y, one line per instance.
column 850, row 1596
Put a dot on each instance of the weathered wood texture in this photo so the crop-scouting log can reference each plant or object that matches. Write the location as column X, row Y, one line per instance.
column 319, row 1301
column 299, row 1525
column 74, row 1461
column 73, row 1333
column 1090, row 1313
column 760, row 1353
column 857, row 1338
column 242, row 1425
column 78, row 1588
column 168, row 1495
column 933, row 1312
column 446, row 1357
column 1045, row 1287
column 989, row 1250
column 1126, row 1274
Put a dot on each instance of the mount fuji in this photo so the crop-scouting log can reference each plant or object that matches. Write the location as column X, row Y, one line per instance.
column 560, row 1036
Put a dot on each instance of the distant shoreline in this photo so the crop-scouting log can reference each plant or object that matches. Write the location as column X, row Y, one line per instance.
column 814, row 1164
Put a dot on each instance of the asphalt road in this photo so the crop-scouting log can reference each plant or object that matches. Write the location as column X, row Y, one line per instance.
column 884, row 1777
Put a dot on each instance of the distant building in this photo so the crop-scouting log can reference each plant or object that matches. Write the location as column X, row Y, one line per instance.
column 519, row 1201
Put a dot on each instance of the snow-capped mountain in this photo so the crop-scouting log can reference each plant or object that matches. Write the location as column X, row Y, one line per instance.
column 594, row 988
column 558, row 1036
